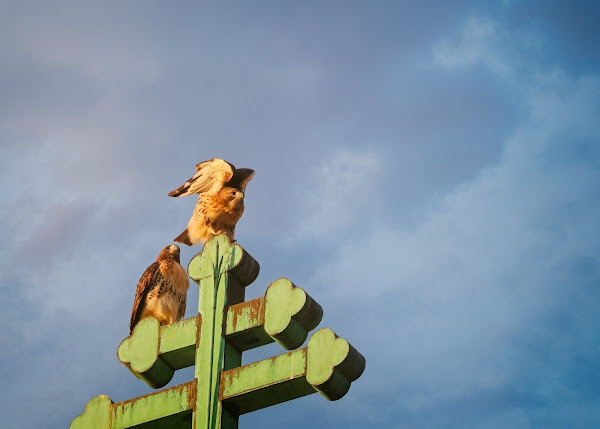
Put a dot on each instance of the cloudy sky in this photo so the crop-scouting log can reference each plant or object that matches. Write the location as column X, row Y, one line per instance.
column 428, row 171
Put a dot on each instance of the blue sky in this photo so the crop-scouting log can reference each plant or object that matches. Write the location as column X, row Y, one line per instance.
column 429, row 172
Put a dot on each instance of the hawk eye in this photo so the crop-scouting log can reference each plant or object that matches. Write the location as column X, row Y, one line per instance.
column 233, row 192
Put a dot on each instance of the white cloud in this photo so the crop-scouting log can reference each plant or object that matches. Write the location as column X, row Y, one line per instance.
column 343, row 194
column 481, row 42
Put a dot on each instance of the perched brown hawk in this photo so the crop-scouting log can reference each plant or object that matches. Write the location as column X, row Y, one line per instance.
column 221, row 202
column 162, row 290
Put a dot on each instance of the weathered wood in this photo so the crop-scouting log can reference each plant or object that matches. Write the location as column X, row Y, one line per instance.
column 214, row 340
column 170, row 408
column 267, row 382
column 246, row 325
column 327, row 365
column 285, row 314
column 211, row 269
column 178, row 343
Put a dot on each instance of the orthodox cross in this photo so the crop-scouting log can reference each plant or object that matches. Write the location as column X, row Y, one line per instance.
column 214, row 340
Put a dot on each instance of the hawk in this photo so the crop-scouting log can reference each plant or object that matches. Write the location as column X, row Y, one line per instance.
column 221, row 202
column 162, row 290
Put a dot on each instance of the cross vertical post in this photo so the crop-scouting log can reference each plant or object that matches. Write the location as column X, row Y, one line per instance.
column 218, row 289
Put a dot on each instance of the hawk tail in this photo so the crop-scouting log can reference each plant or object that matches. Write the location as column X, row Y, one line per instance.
column 180, row 191
column 184, row 238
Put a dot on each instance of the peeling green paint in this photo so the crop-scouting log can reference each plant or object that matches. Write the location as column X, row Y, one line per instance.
column 176, row 403
column 214, row 340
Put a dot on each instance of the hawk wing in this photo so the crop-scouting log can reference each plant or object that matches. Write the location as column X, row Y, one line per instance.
column 181, row 311
column 210, row 177
column 148, row 280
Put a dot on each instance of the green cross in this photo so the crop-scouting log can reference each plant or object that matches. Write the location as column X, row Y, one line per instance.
column 214, row 341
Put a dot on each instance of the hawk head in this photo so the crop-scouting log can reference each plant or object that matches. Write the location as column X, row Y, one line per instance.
column 169, row 252
column 232, row 198
column 240, row 178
